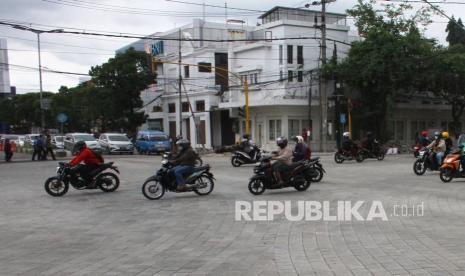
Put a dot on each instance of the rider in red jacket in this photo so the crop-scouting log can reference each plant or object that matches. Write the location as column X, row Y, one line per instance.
column 90, row 160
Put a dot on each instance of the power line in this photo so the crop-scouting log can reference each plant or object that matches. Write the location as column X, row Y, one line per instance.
column 44, row 69
column 214, row 6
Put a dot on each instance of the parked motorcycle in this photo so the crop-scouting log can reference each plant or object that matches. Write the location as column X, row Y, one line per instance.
column 426, row 161
column 264, row 178
column 315, row 170
column 342, row 155
column 240, row 157
column 58, row 185
column 200, row 181
column 451, row 168
column 378, row 152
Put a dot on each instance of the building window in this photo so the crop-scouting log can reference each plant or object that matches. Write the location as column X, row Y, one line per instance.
column 300, row 76
column 205, row 67
column 290, row 76
column 200, row 106
column 185, row 107
column 290, row 54
column 186, row 71
column 157, row 108
column 293, row 128
column 280, row 54
column 171, row 108
column 274, row 129
column 300, row 54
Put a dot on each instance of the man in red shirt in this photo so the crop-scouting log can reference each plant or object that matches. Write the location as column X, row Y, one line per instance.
column 90, row 160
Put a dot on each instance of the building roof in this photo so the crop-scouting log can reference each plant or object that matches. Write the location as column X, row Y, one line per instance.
column 296, row 9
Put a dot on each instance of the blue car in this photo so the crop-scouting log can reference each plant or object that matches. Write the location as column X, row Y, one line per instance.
column 152, row 141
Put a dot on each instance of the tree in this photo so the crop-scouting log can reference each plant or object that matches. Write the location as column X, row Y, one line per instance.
column 118, row 84
column 455, row 32
column 386, row 63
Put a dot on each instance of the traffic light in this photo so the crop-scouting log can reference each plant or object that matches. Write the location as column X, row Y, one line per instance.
column 241, row 112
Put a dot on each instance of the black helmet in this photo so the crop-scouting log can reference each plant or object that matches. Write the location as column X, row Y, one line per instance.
column 281, row 142
column 179, row 137
column 246, row 136
column 183, row 144
column 80, row 145
column 437, row 135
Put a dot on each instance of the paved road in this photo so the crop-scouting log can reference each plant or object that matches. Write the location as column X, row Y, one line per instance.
column 122, row 233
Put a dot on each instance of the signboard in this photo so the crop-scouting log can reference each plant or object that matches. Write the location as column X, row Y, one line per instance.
column 46, row 104
column 342, row 118
column 62, row 118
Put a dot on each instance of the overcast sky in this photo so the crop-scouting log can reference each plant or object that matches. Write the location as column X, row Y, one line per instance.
column 73, row 53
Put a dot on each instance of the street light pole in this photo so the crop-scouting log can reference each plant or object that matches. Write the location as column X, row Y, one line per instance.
column 42, row 117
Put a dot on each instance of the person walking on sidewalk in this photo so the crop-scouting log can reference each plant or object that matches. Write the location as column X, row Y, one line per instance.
column 49, row 147
column 38, row 148
column 7, row 150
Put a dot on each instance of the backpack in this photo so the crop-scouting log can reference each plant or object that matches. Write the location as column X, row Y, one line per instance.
column 98, row 155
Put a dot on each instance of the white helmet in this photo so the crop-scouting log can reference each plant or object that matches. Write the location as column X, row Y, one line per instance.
column 300, row 139
column 346, row 134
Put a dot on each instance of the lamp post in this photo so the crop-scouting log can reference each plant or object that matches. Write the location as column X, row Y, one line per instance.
column 38, row 32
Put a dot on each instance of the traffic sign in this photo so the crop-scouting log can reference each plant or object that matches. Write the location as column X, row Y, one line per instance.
column 62, row 118
column 342, row 118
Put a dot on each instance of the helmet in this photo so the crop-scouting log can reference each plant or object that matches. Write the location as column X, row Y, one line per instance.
column 183, row 144
column 424, row 133
column 437, row 135
column 300, row 139
column 79, row 146
column 445, row 135
column 179, row 137
column 281, row 142
column 346, row 134
column 246, row 136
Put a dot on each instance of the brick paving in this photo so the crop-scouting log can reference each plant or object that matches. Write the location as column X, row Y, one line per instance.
column 122, row 233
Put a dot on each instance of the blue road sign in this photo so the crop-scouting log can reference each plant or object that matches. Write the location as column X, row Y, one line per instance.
column 62, row 118
column 342, row 118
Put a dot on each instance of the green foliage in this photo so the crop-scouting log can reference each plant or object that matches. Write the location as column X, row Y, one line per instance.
column 455, row 32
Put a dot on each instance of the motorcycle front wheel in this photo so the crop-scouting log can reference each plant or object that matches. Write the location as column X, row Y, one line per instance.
column 152, row 189
column 338, row 158
column 108, row 182
column 317, row 178
column 204, row 185
column 446, row 175
column 419, row 167
column 302, row 185
column 235, row 162
column 198, row 162
column 55, row 187
column 257, row 187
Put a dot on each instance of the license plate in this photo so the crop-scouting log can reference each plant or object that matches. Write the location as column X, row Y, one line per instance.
column 421, row 153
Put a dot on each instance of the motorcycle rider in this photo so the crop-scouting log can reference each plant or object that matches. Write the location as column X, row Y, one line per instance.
column 424, row 140
column 184, row 162
column 347, row 144
column 448, row 141
column 438, row 146
column 284, row 159
column 300, row 150
column 247, row 145
column 369, row 142
column 90, row 159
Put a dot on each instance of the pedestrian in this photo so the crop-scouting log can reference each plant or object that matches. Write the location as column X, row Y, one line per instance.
column 7, row 150
column 37, row 148
column 49, row 147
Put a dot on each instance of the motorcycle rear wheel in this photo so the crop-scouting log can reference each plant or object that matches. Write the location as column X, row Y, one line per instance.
column 257, row 186
column 207, row 189
column 302, row 186
column 318, row 177
column 152, row 189
column 380, row 157
column 108, row 182
column 419, row 167
column 446, row 175
column 359, row 158
column 55, row 187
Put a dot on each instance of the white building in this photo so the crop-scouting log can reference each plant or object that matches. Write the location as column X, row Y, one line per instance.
column 4, row 71
column 278, row 73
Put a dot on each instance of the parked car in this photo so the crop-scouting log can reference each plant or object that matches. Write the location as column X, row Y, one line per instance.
column 115, row 143
column 29, row 139
column 89, row 139
column 17, row 139
column 152, row 141
column 58, row 141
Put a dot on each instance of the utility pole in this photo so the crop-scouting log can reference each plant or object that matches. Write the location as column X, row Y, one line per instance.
column 337, row 110
column 42, row 117
column 179, row 84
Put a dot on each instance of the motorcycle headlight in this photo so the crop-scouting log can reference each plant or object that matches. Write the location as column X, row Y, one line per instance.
column 164, row 162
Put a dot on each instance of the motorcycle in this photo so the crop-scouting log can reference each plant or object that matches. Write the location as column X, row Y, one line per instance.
column 451, row 168
column 426, row 161
column 315, row 171
column 240, row 157
column 342, row 155
column 58, row 185
column 200, row 181
column 416, row 150
column 298, row 177
column 378, row 152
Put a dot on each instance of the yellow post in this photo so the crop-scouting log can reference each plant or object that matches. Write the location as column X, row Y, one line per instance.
column 349, row 109
column 246, row 94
